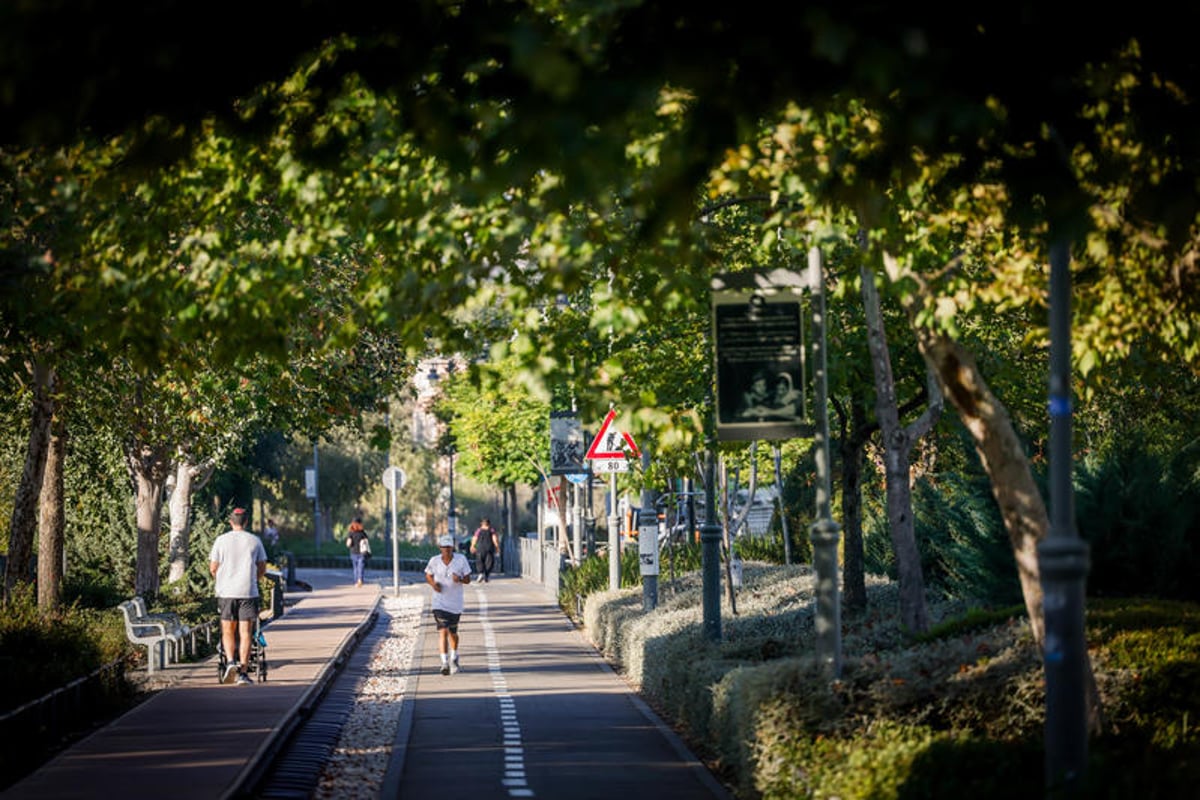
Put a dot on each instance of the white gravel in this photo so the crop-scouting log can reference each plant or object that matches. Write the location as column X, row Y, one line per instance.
column 356, row 766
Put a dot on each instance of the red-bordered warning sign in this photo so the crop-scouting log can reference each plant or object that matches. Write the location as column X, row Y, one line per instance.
column 610, row 442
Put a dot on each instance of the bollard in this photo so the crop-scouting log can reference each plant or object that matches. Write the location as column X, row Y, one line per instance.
column 276, row 597
column 710, row 548
column 1063, row 563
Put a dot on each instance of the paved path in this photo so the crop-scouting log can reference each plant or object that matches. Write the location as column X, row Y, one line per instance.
column 535, row 712
column 198, row 738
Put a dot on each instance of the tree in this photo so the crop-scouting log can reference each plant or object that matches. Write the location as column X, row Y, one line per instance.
column 501, row 428
column 51, row 516
column 898, row 442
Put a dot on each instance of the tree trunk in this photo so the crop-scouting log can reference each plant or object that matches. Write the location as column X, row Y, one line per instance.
column 189, row 478
column 898, row 442
column 1021, row 505
column 564, row 541
column 178, row 541
column 510, row 523
column 854, row 435
column 148, row 466
column 51, row 522
column 25, row 500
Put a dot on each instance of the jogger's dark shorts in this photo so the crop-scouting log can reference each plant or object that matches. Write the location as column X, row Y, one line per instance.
column 232, row 608
column 445, row 619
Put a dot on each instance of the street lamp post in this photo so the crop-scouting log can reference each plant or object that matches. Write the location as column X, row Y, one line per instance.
column 451, row 527
column 451, row 517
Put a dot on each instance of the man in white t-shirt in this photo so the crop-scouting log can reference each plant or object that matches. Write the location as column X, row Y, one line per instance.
column 447, row 573
column 237, row 561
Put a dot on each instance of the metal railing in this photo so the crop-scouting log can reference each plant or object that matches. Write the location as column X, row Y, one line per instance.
column 67, row 708
column 520, row 556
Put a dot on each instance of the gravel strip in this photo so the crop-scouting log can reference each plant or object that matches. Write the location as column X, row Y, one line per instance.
column 357, row 765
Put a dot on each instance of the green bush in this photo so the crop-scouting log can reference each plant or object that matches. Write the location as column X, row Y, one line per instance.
column 41, row 651
column 960, row 712
column 1141, row 517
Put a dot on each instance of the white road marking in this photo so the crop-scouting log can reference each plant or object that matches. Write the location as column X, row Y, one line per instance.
column 514, row 750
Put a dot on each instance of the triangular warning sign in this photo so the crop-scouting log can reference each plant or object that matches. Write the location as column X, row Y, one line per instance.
column 610, row 442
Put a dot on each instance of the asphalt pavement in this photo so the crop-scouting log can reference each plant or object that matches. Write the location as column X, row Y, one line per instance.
column 534, row 712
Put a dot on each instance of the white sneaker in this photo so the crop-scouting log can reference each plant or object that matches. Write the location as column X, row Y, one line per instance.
column 231, row 673
column 446, row 669
column 454, row 666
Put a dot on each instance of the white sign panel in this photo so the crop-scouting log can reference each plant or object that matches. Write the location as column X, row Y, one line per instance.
column 310, row 482
column 393, row 478
column 610, row 465
column 648, row 544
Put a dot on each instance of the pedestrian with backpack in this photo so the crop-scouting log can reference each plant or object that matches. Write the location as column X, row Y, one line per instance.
column 359, row 545
column 485, row 544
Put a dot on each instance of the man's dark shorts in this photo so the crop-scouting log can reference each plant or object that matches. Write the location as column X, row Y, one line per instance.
column 445, row 619
column 232, row 608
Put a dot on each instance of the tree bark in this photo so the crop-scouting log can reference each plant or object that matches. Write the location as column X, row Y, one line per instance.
column 25, row 501
column 987, row 420
column 149, row 467
column 1021, row 505
column 51, row 519
column 898, row 441
column 564, row 541
column 188, row 479
column 855, row 432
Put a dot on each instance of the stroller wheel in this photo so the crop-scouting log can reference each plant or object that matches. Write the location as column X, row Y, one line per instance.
column 262, row 668
column 221, row 667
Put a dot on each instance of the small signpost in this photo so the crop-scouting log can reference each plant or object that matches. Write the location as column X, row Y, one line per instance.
column 607, row 455
column 393, row 480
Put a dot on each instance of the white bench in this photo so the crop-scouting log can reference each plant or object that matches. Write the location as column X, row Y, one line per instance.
column 179, row 633
column 151, row 633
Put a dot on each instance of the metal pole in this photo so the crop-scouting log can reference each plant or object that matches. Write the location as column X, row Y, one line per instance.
column 316, row 502
column 450, row 526
column 589, row 519
column 710, row 554
column 541, row 528
column 395, row 549
column 614, row 535
column 824, row 533
column 389, row 498
column 1063, row 561
column 577, row 522
column 648, row 543
column 783, row 523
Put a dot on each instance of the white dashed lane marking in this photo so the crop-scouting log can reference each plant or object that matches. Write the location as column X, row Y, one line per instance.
column 514, row 751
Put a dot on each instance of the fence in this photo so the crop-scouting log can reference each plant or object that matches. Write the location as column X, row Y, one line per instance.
column 521, row 556
column 54, row 716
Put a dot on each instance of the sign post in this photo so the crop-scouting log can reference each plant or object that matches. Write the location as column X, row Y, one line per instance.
column 310, row 490
column 393, row 479
column 607, row 454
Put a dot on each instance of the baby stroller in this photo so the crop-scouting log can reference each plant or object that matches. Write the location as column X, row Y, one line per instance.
column 258, row 655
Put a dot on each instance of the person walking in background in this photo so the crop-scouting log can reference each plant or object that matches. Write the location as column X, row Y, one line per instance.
column 360, row 549
column 484, row 545
column 237, row 561
column 271, row 537
column 447, row 573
